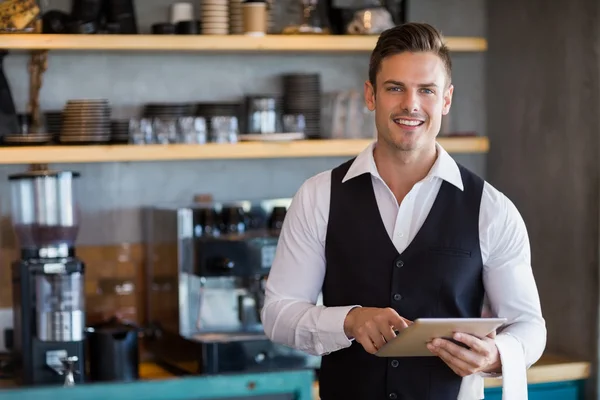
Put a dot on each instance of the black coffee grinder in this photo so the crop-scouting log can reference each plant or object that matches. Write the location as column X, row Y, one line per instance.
column 47, row 282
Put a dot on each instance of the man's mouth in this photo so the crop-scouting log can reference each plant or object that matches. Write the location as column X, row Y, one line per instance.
column 411, row 123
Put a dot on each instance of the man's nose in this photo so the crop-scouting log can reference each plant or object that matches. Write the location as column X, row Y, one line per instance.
column 410, row 102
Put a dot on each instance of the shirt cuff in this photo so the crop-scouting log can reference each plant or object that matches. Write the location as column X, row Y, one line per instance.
column 331, row 329
column 514, row 368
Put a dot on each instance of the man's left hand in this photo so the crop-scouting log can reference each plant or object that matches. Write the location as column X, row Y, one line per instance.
column 481, row 356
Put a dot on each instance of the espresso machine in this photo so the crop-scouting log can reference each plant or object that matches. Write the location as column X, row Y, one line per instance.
column 207, row 267
column 47, row 280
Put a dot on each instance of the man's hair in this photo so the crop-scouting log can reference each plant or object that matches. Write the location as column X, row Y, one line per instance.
column 413, row 37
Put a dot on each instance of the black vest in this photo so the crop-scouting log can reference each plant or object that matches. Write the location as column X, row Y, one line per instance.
column 438, row 275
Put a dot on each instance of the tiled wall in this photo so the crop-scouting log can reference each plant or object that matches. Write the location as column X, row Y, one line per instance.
column 113, row 280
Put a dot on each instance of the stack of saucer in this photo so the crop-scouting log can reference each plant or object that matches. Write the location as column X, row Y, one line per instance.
column 236, row 21
column 119, row 131
column 53, row 122
column 214, row 15
column 86, row 121
column 27, row 139
column 271, row 16
column 168, row 110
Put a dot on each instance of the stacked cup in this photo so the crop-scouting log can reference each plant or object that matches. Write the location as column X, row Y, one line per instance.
column 236, row 21
column 215, row 17
column 270, row 16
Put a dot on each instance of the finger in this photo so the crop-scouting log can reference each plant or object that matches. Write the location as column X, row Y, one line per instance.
column 458, row 366
column 445, row 357
column 375, row 335
column 387, row 332
column 467, row 356
column 492, row 335
column 366, row 343
column 395, row 320
column 473, row 342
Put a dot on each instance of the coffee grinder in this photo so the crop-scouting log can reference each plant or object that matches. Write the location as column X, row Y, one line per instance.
column 48, row 280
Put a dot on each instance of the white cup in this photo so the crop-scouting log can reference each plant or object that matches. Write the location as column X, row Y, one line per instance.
column 182, row 12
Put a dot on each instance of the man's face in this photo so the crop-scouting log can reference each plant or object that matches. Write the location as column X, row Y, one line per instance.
column 411, row 96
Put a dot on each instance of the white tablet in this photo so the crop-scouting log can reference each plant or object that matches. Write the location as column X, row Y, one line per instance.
column 412, row 341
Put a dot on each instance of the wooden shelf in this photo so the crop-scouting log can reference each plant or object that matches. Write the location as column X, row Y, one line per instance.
column 213, row 43
column 245, row 150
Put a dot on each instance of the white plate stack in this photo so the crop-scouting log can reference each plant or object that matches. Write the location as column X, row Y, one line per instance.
column 214, row 15
column 236, row 21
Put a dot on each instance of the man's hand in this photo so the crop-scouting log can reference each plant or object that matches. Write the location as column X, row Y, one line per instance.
column 482, row 355
column 373, row 327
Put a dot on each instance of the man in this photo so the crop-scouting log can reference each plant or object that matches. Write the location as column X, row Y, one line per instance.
column 404, row 232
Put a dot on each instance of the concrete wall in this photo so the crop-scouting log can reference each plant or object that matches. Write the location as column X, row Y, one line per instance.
column 114, row 191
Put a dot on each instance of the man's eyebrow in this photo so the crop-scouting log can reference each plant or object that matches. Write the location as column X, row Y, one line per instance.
column 427, row 85
column 393, row 82
column 398, row 83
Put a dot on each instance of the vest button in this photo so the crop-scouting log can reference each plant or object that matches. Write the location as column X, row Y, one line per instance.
column 395, row 363
column 397, row 297
column 399, row 263
column 393, row 396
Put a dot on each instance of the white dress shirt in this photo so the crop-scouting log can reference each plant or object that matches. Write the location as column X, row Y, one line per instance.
column 292, row 313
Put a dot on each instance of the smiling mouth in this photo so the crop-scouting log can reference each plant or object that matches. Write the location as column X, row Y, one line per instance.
column 410, row 123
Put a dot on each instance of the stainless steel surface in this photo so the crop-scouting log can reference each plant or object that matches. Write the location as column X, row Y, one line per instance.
column 69, row 370
column 61, row 326
column 206, row 291
column 43, row 208
column 54, row 360
column 59, row 250
column 62, row 364
column 60, row 306
column 44, row 200
column 225, row 306
column 180, row 299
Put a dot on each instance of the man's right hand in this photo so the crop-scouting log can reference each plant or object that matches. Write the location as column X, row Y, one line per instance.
column 373, row 327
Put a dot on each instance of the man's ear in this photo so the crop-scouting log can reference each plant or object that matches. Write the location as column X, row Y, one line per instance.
column 447, row 99
column 369, row 96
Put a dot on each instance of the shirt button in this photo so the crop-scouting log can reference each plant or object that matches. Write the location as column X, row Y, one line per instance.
column 393, row 396
column 399, row 264
column 395, row 363
column 397, row 297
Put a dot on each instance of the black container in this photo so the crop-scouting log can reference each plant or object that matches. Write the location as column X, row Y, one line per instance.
column 113, row 352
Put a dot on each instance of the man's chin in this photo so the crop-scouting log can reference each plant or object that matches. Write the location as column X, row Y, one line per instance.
column 406, row 144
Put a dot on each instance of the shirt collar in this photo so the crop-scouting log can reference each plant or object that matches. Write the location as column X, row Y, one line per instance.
column 444, row 167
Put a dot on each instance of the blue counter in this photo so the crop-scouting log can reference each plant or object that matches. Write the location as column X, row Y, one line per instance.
column 287, row 385
column 552, row 378
column 566, row 390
